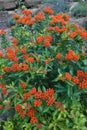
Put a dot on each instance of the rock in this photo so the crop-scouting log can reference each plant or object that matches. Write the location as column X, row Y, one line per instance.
column 3, row 19
column 79, row 21
column 9, row 4
column 6, row 115
column 41, row 6
column 35, row 10
column 30, row 3
column 1, row 5
column 73, row 4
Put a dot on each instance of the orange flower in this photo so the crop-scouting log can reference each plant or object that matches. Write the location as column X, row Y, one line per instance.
column 85, row 75
column 4, row 91
column 15, row 67
column 83, row 34
column 47, row 43
column 25, row 56
column 27, row 12
column 25, row 67
column 73, row 34
column 80, row 73
column 26, row 96
column 24, row 50
column 76, row 57
column 33, row 120
column 0, row 107
column 83, row 84
column 68, row 76
column 50, row 101
column 18, row 107
column 39, row 39
column 30, row 59
column 1, row 54
column 33, row 91
column 66, row 17
column 45, row 95
column 6, row 69
column 15, row 41
column 75, row 80
column 58, row 56
column 2, row 32
column 39, row 16
column 22, row 113
column 15, row 16
column 57, row 19
column 48, row 10
column 30, row 112
column 49, row 38
column 23, row 85
column 50, row 92
column 69, row 57
column 38, row 94
column 37, row 103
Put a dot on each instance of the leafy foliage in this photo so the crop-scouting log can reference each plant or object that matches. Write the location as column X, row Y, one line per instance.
column 80, row 10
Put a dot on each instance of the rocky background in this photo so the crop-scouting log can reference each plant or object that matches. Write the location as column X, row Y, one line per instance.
column 9, row 7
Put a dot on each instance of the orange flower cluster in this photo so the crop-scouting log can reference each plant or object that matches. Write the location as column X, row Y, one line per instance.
column 25, row 19
column 27, row 12
column 39, row 16
column 3, row 88
column 30, row 59
column 78, row 31
column 14, row 41
column 2, row 32
column 81, row 79
column 11, row 55
column 19, row 109
column 72, row 56
column 73, row 34
column 16, row 67
column 23, row 85
column 48, row 10
column 39, row 97
column 40, row 39
column 58, row 29
column 47, row 41
column 68, row 76
column 58, row 56
column 1, row 54
column 59, row 18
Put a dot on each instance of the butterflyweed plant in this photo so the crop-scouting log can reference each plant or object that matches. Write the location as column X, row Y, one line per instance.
column 44, row 69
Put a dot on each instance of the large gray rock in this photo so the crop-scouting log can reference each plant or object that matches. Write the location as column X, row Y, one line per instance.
column 30, row 3
column 9, row 4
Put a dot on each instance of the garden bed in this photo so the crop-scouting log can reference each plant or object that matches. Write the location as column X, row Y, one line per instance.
column 43, row 73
